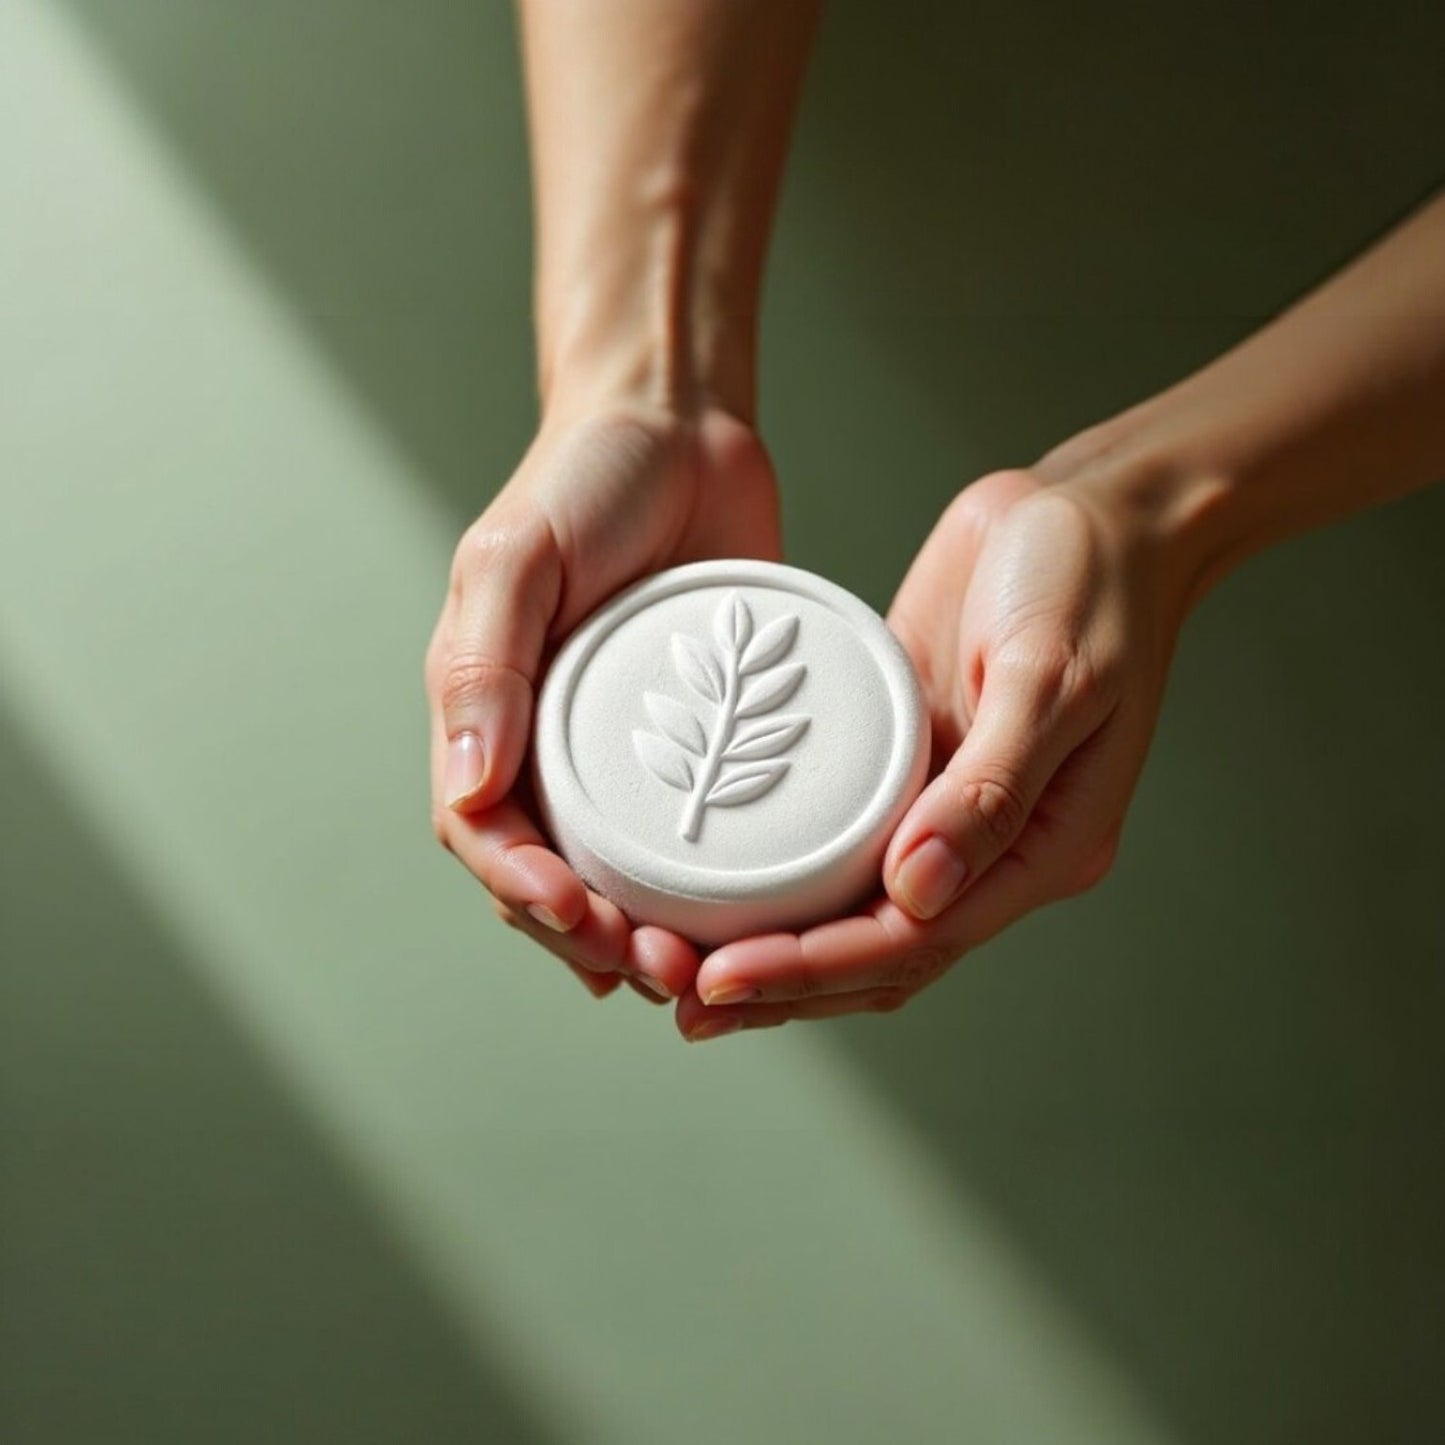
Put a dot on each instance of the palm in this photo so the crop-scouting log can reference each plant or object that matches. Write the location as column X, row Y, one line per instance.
column 927, row 612
column 1038, row 629
column 593, row 506
column 627, row 497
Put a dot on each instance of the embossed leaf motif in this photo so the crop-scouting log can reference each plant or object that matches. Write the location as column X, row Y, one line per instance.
column 675, row 720
column 726, row 758
column 766, row 739
column 665, row 759
column 770, row 691
column 697, row 668
column 769, row 645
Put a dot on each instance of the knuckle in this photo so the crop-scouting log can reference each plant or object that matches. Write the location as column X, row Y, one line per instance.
column 979, row 503
column 806, row 981
column 914, row 969
column 1013, row 479
column 1094, row 679
column 466, row 678
column 997, row 801
column 513, row 548
column 968, row 508
column 1057, row 671
column 1037, row 664
column 807, row 975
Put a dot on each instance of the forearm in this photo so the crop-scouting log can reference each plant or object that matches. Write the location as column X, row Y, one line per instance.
column 659, row 131
column 1335, row 406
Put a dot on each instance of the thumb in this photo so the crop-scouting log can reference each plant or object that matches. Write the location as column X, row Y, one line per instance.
column 482, row 664
column 1025, row 727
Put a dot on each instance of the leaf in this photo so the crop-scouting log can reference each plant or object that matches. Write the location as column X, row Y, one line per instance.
column 769, row 645
column 725, row 761
column 732, row 624
column 766, row 739
column 665, row 759
column 699, row 671
column 744, row 786
column 675, row 720
column 772, row 691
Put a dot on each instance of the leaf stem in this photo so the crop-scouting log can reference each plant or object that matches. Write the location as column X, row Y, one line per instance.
column 717, row 745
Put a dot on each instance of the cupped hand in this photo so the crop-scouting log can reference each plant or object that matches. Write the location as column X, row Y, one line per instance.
column 1041, row 621
column 595, row 504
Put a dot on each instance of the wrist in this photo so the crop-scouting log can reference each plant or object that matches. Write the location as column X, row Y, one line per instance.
column 658, row 137
column 635, row 314
column 1163, row 492
column 681, row 370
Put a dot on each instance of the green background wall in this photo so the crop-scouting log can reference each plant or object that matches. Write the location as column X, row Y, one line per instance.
column 299, row 1144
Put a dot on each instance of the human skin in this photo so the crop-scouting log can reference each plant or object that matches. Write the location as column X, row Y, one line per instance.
column 1042, row 612
column 659, row 133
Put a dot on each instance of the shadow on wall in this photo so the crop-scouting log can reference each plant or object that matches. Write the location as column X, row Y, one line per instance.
column 1007, row 221
column 178, row 1259
column 1208, row 1099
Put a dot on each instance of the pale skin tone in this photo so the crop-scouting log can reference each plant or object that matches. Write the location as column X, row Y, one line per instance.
column 1041, row 613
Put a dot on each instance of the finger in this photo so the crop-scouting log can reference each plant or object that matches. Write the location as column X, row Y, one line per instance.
column 597, row 943
column 504, row 849
column 661, row 961
column 885, row 952
column 696, row 1022
column 1031, row 716
column 855, row 965
column 506, row 585
column 599, row 985
column 658, row 965
column 1069, row 846
column 883, row 948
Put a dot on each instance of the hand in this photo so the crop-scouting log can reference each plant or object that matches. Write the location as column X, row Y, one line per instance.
column 595, row 504
column 1041, row 620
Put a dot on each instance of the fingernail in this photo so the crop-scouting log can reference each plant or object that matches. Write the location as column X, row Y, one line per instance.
column 546, row 918
column 929, row 877
column 466, row 764
column 713, row 1029
column 732, row 993
column 654, row 985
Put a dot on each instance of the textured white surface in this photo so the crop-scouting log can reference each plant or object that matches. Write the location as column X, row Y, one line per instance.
column 725, row 748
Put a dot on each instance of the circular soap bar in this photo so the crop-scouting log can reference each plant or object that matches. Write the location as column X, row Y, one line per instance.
column 725, row 748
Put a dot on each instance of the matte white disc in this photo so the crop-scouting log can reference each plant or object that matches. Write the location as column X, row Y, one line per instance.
column 725, row 748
